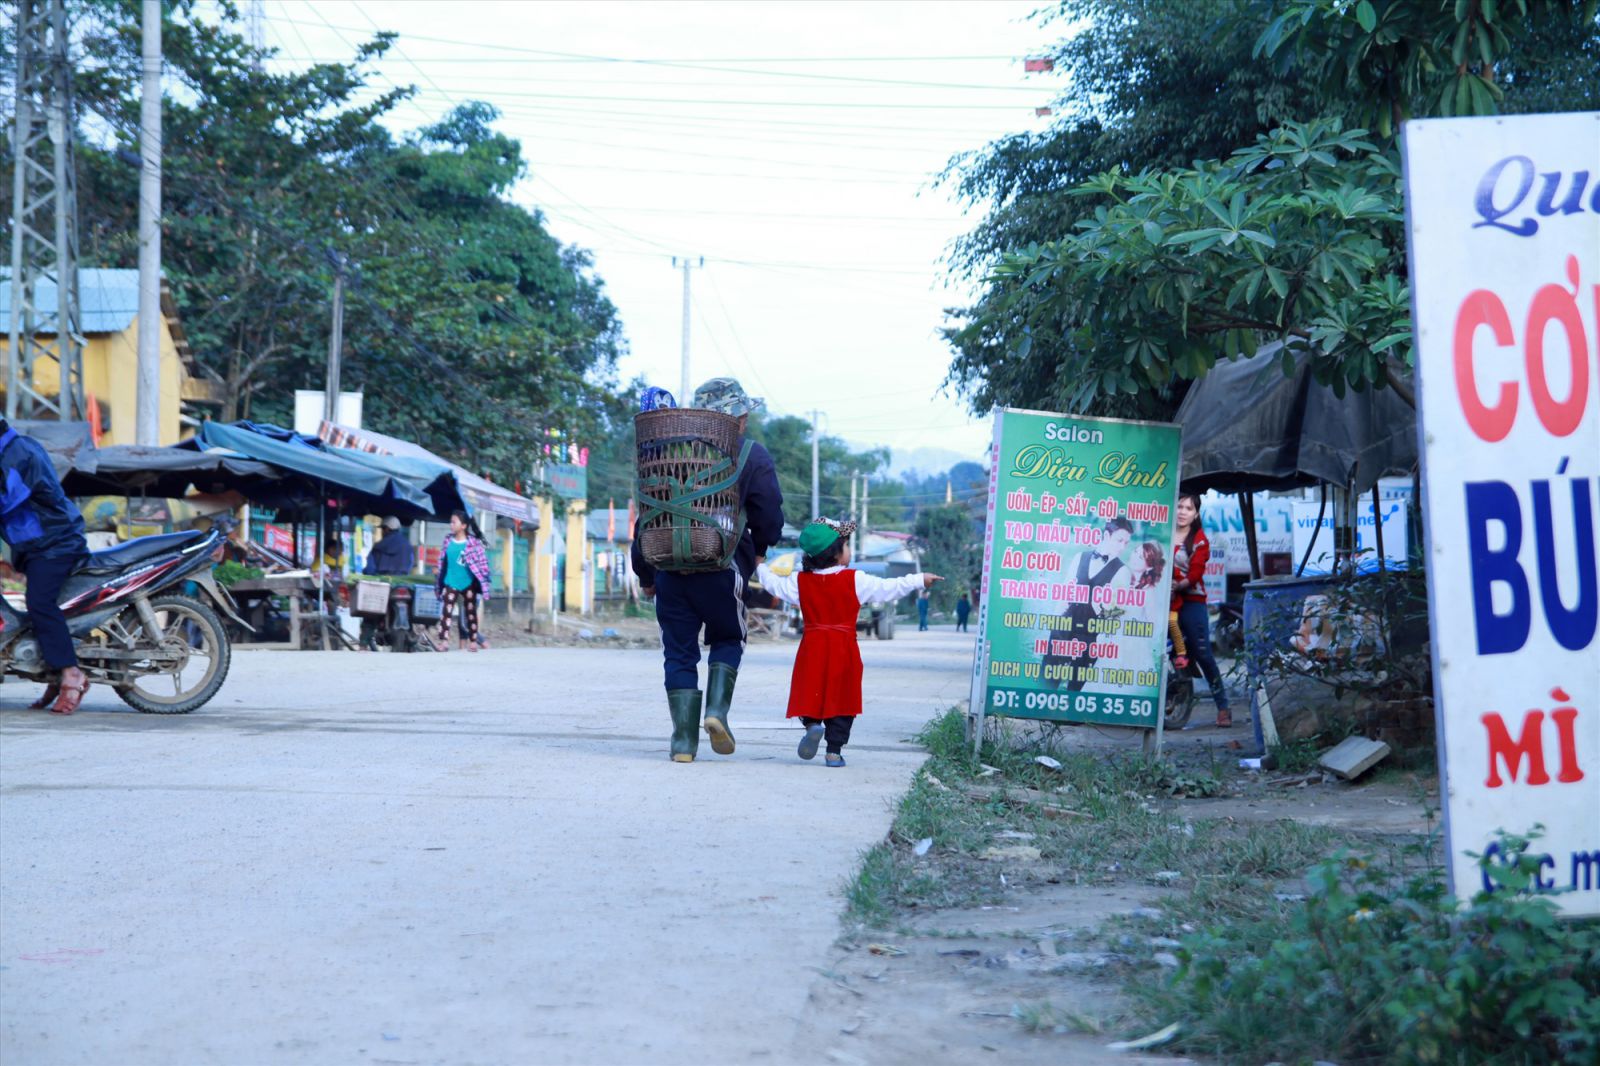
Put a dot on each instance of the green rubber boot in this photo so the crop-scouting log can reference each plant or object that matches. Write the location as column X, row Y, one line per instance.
column 719, row 694
column 685, row 706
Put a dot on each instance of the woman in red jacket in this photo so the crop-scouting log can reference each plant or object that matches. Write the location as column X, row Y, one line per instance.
column 1189, row 597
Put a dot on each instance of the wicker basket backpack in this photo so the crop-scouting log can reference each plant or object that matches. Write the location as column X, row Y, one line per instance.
column 688, row 488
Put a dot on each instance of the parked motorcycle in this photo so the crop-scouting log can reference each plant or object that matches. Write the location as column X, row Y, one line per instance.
column 135, row 629
column 392, row 629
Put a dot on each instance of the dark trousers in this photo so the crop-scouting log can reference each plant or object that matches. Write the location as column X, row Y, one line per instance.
column 1195, row 625
column 688, row 603
column 922, row 615
column 835, row 731
column 45, row 578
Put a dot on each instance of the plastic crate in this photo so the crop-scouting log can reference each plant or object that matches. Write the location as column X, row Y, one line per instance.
column 371, row 598
column 425, row 604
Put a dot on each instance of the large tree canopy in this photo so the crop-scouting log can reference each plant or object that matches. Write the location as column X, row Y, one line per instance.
column 1107, row 292
column 467, row 325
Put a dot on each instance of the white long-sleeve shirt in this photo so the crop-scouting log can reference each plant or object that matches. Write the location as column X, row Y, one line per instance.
column 869, row 589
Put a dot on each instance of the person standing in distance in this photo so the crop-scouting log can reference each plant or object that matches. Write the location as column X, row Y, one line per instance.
column 45, row 532
column 687, row 603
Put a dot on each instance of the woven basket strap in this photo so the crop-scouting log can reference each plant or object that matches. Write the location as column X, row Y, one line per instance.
column 684, row 492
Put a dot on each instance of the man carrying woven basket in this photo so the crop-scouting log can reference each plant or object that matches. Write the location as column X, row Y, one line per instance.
column 688, row 601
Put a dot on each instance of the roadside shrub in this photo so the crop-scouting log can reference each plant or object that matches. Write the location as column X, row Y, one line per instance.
column 1371, row 968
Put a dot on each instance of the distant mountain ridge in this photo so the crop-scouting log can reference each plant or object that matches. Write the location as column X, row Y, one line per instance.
column 927, row 460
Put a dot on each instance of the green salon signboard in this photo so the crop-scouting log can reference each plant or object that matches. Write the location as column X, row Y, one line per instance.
column 1077, row 569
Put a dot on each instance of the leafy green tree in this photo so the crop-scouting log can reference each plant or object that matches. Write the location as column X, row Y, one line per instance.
column 1156, row 269
column 1296, row 237
column 1150, row 85
column 470, row 329
column 1390, row 60
column 788, row 438
column 949, row 540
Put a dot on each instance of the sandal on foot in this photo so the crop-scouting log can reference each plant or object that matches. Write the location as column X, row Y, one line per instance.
column 1224, row 718
column 51, row 691
column 71, row 698
column 809, row 742
column 834, row 760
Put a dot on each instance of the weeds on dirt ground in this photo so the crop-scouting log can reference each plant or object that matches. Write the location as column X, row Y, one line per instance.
column 1094, row 819
column 1381, row 965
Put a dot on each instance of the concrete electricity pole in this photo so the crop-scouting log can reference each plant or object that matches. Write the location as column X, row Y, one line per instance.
column 330, row 400
column 686, row 264
column 147, row 407
column 866, row 500
column 854, row 537
column 816, row 487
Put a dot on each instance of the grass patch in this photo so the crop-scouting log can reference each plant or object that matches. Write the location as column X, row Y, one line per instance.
column 1046, row 1017
column 1381, row 965
column 1119, row 828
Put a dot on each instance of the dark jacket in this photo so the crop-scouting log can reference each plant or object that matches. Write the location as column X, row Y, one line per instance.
column 36, row 518
column 762, row 502
column 391, row 555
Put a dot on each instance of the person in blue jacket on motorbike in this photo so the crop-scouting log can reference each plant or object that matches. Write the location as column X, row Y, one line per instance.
column 45, row 532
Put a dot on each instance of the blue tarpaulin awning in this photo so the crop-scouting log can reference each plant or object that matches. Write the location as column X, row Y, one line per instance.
column 368, row 486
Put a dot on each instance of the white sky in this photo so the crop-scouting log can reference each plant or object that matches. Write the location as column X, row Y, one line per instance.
column 799, row 167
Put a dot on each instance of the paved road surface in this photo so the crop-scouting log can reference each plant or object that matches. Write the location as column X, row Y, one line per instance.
column 422, row 859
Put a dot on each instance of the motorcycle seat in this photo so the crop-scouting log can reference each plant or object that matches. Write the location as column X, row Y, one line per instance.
column 137, row 551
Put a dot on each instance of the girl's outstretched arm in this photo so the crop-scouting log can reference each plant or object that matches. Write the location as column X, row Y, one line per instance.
column 784, row 586
column 870, row 589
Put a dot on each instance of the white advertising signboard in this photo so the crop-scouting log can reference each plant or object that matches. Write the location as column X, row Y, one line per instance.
column 1224, row 523
column 1318, row 540
column 1503, row 218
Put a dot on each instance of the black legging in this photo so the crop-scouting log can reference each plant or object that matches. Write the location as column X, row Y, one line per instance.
column 469, row 607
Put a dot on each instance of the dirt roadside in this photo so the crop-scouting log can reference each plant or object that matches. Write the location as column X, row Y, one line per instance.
column 1033, row 965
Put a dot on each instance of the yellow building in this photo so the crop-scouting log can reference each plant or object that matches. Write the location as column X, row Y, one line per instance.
column 109, row 301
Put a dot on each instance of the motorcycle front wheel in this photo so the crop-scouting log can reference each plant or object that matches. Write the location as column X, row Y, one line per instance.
column 201, row 654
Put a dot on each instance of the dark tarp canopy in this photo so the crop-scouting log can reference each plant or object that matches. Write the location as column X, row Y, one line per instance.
column 60, row 440
column 360, row 487
column 136, row 470
column 1247, row 427
column 437, row 482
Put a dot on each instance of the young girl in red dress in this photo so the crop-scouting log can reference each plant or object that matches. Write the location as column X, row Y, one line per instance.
column 825, row 692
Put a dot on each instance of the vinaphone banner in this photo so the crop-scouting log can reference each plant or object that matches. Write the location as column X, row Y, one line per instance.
column 1503, row 220
column 1077, row 569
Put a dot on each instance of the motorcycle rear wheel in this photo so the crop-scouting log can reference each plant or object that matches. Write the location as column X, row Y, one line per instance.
column 207, row 640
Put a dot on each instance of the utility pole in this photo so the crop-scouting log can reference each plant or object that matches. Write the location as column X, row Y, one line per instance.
column 853, row 538
column 44, row 219
column 255, row 30
column 330, row 400
column 866, row 500
column 147, row 421
column 686, row 264
column 816, row 486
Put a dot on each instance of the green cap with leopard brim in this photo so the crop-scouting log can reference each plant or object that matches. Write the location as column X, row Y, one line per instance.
column 819, row 535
